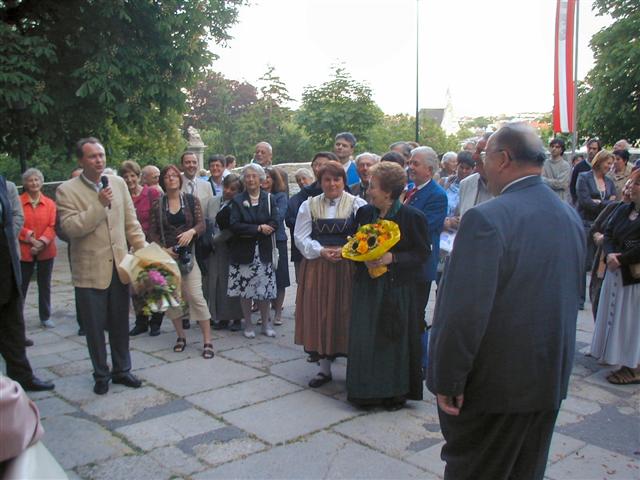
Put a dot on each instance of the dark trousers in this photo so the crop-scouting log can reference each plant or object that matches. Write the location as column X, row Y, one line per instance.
column 496, row 446
column 44, row 269
column 12, row 337
column 423, row 289
column 108, row 308
column 76, row 297
column 591, row 251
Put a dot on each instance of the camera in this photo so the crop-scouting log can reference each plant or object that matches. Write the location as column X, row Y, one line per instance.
column 184, row 254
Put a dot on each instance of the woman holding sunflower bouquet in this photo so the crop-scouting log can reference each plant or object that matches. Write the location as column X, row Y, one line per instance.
column 384, row 337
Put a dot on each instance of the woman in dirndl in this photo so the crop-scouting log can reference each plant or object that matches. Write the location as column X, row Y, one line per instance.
column 323, row 300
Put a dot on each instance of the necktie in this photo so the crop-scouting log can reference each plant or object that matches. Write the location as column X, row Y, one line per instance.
column 192, row 187
column 410, row 195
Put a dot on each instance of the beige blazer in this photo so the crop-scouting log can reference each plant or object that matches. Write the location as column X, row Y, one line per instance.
column 204, row 192
column 98, row 235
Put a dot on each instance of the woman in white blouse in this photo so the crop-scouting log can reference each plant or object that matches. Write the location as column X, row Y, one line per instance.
column 323, row 301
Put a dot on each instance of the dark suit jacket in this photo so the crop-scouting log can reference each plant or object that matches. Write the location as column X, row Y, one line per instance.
column 244, row 222
column 505, row 319
column 431, row 200
column 621, row 235
column 7, row 226
column 587, row 192
column 582, row 166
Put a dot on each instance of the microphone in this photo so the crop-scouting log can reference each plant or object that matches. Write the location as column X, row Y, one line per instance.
column 105, row 183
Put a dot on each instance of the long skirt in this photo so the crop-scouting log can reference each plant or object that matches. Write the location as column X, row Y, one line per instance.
column 385, row 350
column 616, row 338
column 222, row 307
column 323, row 307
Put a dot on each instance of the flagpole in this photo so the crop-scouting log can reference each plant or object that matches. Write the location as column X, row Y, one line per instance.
column 575, row 83
column 417, row 69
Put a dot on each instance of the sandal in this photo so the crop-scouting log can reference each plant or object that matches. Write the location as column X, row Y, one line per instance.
column 207, row 351
column 624, row 376
column 181, row 344
column 319, row 380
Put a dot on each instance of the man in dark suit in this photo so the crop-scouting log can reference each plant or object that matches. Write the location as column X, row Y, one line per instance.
column 431, row 199
column 594, row 145
column 503, row 336
column 12, row 336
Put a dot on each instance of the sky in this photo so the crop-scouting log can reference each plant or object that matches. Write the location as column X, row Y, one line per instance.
column 493, row 56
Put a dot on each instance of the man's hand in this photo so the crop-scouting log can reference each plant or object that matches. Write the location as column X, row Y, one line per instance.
column 450, row 405
column 265, row 229
column 105, row 196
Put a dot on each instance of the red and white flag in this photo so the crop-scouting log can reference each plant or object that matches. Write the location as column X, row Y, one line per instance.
column 563, row 104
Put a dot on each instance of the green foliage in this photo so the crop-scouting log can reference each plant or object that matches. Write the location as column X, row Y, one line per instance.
column 609, row 99
column 92, row 64
column 338, row 105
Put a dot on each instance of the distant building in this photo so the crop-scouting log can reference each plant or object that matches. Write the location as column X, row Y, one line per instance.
column 444, row 117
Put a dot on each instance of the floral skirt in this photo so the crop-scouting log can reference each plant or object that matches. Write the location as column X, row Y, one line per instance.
column 255, row 280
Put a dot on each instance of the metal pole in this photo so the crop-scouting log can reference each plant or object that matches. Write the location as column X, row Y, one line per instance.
column 575, row 83
column 417, row 69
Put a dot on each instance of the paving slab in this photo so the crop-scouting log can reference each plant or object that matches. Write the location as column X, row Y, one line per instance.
column 242, row 394
column 141, row 360
column 81, row 353
column 43, row 361
column 300, row 372
column 321, row 456
column 126, row 404
column 590, row 391
column 397, row 434
column 169, row 429
column 429, row 459
column 75, row 441
column 599, row 379
column 198, row 375
column 60, row 345
column 79, row 388
column 231, row 340
column 138, row 467
column 580, row 405
column 218, row 452
column 76, row 367
column 53, row 406
column 262, row 355
column 291, row 416
column 594, row 463
column 562, row 446
column 177, row 461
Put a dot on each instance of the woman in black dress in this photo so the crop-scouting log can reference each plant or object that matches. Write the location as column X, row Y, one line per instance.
column 384, row 338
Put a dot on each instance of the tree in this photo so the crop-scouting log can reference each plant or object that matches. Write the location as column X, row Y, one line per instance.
column 79, row 66
column 338, row 105
column 609, row 98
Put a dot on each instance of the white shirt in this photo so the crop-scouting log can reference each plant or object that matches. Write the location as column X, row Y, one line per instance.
column 309, row 247
column 516, row 181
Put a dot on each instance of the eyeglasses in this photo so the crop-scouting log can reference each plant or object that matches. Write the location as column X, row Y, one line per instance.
column 171, row 175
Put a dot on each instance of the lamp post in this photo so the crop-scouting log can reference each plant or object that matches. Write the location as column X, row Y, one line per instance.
column 417, row 69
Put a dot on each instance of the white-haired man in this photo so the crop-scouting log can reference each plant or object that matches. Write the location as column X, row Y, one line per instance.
column 364, row 162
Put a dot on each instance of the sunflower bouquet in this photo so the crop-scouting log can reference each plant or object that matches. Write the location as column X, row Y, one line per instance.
column 371, row 242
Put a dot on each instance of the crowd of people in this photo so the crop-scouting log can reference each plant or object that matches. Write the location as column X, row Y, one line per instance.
column 521, row 221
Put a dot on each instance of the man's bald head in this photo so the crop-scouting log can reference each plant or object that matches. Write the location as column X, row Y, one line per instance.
column 520, row 141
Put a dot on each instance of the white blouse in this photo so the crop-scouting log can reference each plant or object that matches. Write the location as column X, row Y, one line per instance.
column 309, row 247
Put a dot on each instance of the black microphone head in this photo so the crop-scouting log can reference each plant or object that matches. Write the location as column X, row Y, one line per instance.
column 105, row 181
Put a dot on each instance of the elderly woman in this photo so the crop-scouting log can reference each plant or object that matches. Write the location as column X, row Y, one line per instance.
column 594, row 191
column 274, row 184
column 37, row 241
column 323, row 300
column 616, row 338
column 176, row 221
column 143, row 197
column 225, row 310
column 303, row 177
column 253, row 220
column 384, row 336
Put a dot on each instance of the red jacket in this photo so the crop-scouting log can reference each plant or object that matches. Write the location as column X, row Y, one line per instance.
column 39, row 222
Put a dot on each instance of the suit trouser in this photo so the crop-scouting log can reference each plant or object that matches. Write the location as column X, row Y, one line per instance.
column 108, row 308
column 12, row 337
column 44, row 270
column 496, row 446
column 591, row 251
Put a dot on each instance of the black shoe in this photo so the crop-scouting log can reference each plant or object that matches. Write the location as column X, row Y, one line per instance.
column 319, row 380
column 28, row 342
column 101, row 387
column 154, row 331
column 37, row 385
column 137, row 330
column 186, row 324
column 219, row 325
column 128, row 380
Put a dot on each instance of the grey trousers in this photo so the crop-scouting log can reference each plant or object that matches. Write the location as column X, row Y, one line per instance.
column 100, row 309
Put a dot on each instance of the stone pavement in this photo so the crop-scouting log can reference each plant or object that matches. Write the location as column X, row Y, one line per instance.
column 248, row 413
